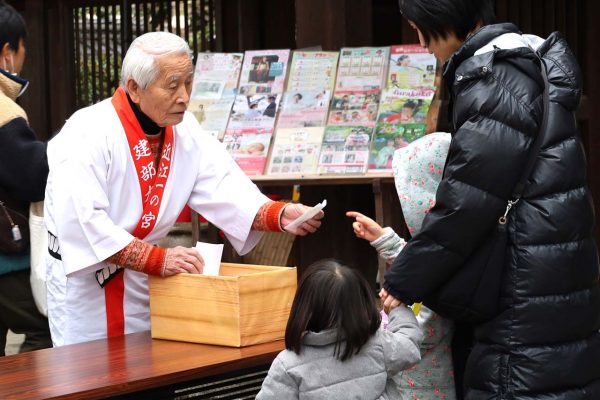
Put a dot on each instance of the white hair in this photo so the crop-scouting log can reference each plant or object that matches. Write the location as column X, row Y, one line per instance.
column 139, row 63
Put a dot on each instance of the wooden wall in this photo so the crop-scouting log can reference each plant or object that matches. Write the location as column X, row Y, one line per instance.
column 331, row 24
column 50, row 98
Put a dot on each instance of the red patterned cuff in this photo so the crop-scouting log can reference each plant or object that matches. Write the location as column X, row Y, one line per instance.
column 274, row 212
column 140, row 256
column 156, row 260
column 268, row 217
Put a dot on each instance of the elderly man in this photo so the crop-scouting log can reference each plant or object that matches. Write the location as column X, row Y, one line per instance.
column 120, row 173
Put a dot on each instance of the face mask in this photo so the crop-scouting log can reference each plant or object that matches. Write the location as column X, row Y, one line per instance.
column 12, row 65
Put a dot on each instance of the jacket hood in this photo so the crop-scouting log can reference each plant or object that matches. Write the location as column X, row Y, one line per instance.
column 323, row 338
column 476, row 41
column 564, row 73
column 418, row 170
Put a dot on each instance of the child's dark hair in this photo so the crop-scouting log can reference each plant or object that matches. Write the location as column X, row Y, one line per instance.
column 12, row 26
column 410, row 104
column 439, row 18
column 331, row 295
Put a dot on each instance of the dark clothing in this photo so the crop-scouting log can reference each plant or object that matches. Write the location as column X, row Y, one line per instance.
column 23, row 164
column 19, row 313
column 270, row 110
column 545, row 344
column 23, row 175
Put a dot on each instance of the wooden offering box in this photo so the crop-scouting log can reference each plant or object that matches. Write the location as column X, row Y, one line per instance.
column 244, row 305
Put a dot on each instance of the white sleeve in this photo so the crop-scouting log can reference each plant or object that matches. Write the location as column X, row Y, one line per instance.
column 77, row 187
column 226, row 197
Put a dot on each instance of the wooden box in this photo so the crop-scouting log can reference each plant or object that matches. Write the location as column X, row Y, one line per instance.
column 244, row 305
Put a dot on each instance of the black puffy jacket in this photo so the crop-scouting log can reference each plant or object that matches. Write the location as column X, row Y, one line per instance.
column 546, row 342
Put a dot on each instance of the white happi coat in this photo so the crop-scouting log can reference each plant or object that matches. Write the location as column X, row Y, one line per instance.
column 93, row 202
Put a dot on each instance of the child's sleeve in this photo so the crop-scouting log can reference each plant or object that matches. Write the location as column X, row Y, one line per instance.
column 278, row 384
column 388, row 245
column 401, row 340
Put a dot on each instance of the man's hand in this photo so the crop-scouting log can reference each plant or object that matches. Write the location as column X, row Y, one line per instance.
column 388, row 301
column 364, row 227
column 183, row 259
column 293, row 211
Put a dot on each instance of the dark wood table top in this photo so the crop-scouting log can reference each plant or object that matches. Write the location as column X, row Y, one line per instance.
column 121, row 365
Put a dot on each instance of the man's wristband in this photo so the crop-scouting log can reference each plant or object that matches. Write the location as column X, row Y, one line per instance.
column 140, row 256
column 273, row 216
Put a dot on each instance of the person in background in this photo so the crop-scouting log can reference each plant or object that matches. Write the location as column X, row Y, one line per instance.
column 271, row 108
column 23, row 172
column 252, row 111
column 417, row 171
column 385, row 154
column 545, row 342
column 335, row 348
column 121, row 171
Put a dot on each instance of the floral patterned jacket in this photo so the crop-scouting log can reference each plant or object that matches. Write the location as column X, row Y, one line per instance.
column 418, row 169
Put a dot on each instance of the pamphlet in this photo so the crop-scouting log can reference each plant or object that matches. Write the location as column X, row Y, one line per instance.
column 211, row 254
column 306, row 216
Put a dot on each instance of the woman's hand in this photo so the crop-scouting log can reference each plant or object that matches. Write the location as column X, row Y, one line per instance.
column 293, row 211
column 388, row 301
column 364, row 227
column 183, row 259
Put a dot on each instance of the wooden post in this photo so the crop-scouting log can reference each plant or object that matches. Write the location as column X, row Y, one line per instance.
column 34, row 100
column 60, row 75
column 50, row 98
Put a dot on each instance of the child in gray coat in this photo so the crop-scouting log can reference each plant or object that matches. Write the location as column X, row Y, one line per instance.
column 335, row 348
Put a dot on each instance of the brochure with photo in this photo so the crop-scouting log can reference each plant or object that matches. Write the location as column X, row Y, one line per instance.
column 296, row 151
column 400, row 106
column 387, row 139
column 411, row 67
column 345, row 150
column 257, row 111
column 216, row 75
column 303, row 109
column 354, row 108
column 212, row 114
column 362, row 68
column 312, row 71
column 249, row 147
column 263, row 72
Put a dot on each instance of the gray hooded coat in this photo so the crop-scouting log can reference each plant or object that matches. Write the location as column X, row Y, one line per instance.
column 315, row 374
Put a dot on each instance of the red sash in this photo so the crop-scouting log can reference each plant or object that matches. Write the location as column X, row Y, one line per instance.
column 152, row 182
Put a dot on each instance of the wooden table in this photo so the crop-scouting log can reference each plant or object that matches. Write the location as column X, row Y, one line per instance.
column 117, row 366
